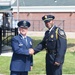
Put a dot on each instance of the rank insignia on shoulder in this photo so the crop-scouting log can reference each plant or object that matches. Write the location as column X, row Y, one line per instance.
column 52, row 36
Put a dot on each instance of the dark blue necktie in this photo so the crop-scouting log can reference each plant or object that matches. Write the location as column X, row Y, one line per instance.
column 25, row 40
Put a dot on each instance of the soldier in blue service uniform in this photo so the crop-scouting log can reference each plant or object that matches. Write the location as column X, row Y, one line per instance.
column 22, row 60
column 55, row 44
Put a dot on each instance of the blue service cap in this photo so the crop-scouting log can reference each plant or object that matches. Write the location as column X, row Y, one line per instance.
column 24, row 24
column 48, row 18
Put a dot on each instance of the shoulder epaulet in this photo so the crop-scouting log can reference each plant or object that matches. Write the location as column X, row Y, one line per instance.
column 61, row 33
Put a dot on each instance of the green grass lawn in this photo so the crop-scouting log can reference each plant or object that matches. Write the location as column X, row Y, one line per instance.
column 39, row 60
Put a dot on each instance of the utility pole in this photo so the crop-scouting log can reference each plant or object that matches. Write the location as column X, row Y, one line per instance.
column 17, row 10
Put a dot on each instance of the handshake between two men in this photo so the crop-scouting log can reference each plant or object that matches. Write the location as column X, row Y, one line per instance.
column 31, row 51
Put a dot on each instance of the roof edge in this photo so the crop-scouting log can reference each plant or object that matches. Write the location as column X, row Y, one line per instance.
column 44, row 9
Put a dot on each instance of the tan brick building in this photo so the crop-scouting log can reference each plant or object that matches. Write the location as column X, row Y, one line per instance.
column 65, row 20
column 33, row 10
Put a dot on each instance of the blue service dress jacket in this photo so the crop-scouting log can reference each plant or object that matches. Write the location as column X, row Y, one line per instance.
column 21, row 59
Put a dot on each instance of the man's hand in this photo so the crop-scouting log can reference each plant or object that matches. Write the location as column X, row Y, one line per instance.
column 31, row 51
column 31, row 67
column 56, row 63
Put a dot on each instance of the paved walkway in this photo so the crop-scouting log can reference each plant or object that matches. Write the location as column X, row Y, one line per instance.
column 41, row 33
column 6, row 54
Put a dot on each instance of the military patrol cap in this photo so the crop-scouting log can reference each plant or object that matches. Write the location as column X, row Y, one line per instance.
column 48, row 18
column 24, row 24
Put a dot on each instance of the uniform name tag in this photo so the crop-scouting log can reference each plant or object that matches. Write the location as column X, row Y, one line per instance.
column 20, row 44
